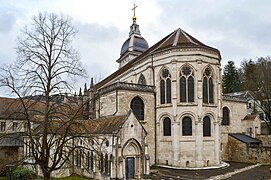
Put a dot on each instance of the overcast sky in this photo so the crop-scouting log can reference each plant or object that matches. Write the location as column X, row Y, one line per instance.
column 238, row 28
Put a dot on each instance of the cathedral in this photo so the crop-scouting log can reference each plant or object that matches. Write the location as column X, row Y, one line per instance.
column 171, row 95
column 163, row 106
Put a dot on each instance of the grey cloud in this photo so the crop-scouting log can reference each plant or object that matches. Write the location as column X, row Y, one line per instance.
column 7, row 21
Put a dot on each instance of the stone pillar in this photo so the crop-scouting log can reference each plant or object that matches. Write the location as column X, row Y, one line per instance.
column 217, row 142
column 199, row 142
column 176, row 143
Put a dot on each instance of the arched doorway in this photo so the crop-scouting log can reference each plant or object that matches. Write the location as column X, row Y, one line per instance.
column 133, row 161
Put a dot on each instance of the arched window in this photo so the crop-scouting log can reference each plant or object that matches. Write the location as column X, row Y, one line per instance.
column 102, row 162
column 142, row 80
column 206, row 126
column 208, row 86
column 187, row 126
column 167, row 126
column 137, row 105
column 165, row 87
column 186, row 84
column 226, row 116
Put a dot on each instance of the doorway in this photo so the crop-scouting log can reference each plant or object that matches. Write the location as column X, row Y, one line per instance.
column 130, row 167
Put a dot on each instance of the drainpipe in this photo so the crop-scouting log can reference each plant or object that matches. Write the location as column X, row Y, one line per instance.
column 155, row 128
column 117, row 102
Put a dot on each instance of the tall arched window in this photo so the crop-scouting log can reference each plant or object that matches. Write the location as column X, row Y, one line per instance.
column 206, row 126
column 167, row 126
column 187, row 84
column 165, row 87
column 137, row 105
column 226, row 116
column 208, row 87
column 142, row 80
column 187, row 126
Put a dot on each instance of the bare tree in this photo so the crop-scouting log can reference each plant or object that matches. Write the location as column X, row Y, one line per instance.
column 47, row 65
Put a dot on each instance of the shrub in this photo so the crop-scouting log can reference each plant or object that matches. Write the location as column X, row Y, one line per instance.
column 23, row 174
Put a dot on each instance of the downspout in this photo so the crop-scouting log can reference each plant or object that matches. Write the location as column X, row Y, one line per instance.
column 155, row 128
column 117, row 102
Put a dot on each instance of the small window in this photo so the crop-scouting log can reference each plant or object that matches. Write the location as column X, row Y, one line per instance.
column 187, row 126
column 142, row 80
column 3, row 126
column 226, row 116
column 167, row 127
column 137, row 105
column 14, row 126
column 206, row 126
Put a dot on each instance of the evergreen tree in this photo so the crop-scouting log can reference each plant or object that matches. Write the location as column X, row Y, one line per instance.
column 231, row 78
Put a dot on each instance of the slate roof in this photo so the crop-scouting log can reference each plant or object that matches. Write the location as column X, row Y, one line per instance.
column 11, row 140
column 178, row 38
column 245, row 139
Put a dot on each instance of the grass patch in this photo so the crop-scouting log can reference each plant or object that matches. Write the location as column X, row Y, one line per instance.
column 72, row 177
column 3, row 178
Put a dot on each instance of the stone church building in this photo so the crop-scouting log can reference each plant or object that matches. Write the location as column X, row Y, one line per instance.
column 163, row 106
column 174, row 90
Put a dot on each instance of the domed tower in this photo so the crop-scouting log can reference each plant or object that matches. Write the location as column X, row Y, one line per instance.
column 133, row 46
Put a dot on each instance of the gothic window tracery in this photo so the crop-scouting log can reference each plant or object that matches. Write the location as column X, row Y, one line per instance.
column 187, row 84
column 226, row 116
column 167, row 126
column 137, row 105
column 142, row 80
column 187, row 126
column 208, row 86
column 206, row 126
column 165, row 87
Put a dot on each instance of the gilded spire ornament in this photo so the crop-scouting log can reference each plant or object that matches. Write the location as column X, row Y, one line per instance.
column 134, row 17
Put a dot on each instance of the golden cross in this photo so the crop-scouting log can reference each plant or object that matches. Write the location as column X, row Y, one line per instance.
column 134, row 9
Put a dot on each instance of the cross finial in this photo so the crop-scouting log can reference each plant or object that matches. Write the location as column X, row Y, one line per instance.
column 135, row 6
column 133, row 9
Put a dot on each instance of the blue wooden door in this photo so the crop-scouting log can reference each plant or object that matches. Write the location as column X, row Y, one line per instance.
column 130, row 167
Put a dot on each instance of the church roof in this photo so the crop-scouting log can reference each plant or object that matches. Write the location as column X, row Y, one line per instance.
column 180, row 38
column 176, row 39
column 103, row 125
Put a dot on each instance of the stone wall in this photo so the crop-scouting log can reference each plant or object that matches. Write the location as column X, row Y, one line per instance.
column 266, row 140
column 241, row 152
column 7, row 155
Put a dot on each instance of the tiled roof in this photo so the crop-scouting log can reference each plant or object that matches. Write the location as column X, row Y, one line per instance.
column 104, row 125
column 13, row 108
column 178, row 38
column 250, row 117
column 245, row 139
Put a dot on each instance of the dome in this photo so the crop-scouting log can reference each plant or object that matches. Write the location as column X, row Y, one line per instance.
column 134, row 43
